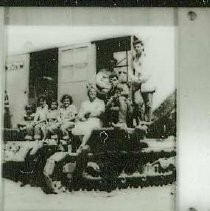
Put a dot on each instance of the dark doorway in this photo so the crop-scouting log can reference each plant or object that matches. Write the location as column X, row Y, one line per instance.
column 43, row 79
column 105, row 50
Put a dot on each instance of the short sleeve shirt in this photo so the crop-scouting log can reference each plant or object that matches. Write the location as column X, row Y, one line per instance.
column 41, row 113
column 68, row 113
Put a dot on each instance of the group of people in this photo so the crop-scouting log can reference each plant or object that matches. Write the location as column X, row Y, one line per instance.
column 128, row 90
column 112, row 101
column 49, row 120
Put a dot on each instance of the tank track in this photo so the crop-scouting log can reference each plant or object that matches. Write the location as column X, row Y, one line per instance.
column 108, row 185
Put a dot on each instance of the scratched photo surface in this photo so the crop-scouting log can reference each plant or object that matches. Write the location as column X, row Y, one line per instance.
column 89, row 118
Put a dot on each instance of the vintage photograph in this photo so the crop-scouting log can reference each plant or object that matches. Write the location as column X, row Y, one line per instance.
column 89, row 118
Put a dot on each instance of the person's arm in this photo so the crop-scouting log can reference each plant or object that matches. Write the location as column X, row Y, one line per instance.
column 36, row 116
column 125, row 90
column 59, row 116
column 109, row 102
column 81, row 114
column 74, row 112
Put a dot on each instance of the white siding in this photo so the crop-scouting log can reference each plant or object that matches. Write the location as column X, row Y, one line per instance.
column 16, row 83
column 75, row 70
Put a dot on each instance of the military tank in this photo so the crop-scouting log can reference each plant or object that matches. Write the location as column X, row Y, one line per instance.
column 18, row 164
column 113, row 158
column 118, row 157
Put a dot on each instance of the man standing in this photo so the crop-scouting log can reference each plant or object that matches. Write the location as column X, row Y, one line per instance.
column 141, row 84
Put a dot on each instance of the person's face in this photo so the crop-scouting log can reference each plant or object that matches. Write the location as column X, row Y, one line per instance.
column 42, row 102
column 53, row 105
column 66, row 102
column 114, row 81
column 122, row 75
column 92, row 94
column 138, row 48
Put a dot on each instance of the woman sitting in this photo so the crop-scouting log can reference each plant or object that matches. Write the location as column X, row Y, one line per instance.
column 89, row 115
column 68, row 113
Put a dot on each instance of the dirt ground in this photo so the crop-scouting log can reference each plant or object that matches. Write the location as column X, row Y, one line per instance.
column 29, row 198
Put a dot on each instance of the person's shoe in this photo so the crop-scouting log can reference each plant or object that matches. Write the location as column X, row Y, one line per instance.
column 120, row 125
column 147, row 123
column 141, row 130
column 82, row 148
column 66, row 138
column 37, row 137
column 28, row 138
column 54, row 137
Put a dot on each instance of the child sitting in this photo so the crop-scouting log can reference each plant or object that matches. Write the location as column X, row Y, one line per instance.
column 39, row 124
column 40, row 118
column 53, row 120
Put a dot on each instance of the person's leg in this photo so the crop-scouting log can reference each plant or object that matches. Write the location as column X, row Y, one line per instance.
column 65, row 127
column 37, row 132
column 138, row 106
column 29, row 132
column 130, row 112
column 86, row 137
column 123, row 109
column 52, row 129
column 44, row 131
column 88, row 126
column 50, row 164
column 148, row 98
column 37, row 138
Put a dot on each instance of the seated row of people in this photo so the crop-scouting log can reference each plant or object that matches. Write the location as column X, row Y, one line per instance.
column 52, row 120
column 48, row 119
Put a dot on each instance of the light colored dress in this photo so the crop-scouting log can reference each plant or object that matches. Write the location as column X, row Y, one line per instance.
column 94, row 110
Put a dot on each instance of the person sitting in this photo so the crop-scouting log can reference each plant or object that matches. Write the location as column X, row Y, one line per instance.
column 102, row 78
column 102, row 82
column 39, row 124
column 26, row 126
column 68, row 113
column 40, row 118
column 118, row 105
column 53, row 120
column 89, row 115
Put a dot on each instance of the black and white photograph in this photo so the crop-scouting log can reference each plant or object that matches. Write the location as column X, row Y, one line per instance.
column 90, row 118
column 89, row 111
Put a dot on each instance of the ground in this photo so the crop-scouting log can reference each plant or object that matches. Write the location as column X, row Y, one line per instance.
column 29, row 198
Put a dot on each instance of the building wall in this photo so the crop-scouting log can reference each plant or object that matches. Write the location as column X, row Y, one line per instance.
column 75, row 69
column 16, row 84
